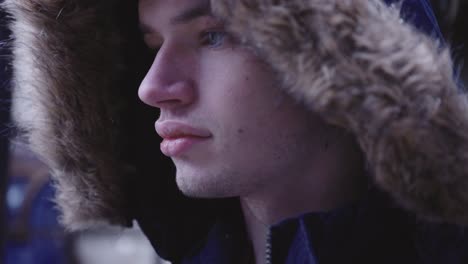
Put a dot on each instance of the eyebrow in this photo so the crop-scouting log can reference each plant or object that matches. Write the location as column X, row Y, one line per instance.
column 192, row 13
column 185, row 16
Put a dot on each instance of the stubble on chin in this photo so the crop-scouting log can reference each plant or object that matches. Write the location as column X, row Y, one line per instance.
column 203, row 184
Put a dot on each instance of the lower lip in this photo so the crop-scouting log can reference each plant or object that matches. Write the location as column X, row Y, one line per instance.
column 177, row 146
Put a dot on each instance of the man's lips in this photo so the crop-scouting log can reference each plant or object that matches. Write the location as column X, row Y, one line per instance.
column 179, row 137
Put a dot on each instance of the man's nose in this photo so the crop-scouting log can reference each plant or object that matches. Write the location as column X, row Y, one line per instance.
column 168, row 83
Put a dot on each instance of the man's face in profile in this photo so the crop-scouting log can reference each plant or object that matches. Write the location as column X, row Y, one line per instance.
column 226, row 124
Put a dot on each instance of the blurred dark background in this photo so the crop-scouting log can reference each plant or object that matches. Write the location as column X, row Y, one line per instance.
column 4, row 119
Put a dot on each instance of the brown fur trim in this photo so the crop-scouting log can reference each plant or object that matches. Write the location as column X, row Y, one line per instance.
column 360, row 67
column 67, row 65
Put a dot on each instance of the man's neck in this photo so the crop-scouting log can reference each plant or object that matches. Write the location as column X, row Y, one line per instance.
column 336, row 180
column 257, row 231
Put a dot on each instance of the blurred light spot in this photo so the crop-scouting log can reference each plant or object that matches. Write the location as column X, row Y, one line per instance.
column 15, row 197
column 125, row 246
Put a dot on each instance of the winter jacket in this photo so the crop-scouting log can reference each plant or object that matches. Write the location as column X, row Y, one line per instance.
column 358, row 64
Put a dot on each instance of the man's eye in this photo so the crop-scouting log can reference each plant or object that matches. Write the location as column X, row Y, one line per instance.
column 213, row 39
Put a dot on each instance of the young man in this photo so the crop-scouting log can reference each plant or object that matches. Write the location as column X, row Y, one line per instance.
column 231, row 131
column 312, row 131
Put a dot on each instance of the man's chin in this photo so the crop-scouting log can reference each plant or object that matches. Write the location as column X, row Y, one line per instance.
column 203, row 187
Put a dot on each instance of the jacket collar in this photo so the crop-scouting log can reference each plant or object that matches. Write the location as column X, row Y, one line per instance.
column 362, row 232
column 372, row 230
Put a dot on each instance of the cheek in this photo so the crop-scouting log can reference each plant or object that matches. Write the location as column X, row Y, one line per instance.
column 228, row 83
column 238, row 94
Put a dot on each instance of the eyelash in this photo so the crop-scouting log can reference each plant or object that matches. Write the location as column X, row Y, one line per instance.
column 207, row 38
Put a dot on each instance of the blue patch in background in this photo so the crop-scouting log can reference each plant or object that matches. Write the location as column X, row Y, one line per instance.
column 420, row 14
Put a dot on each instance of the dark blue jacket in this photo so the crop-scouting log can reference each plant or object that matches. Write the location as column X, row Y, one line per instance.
column 419, row 12
column 373, row 230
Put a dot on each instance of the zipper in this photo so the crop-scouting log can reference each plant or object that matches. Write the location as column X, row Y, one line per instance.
column 268, row 248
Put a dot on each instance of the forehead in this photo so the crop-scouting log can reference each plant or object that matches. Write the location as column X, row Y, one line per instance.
column 170, row 6
column 164, row 12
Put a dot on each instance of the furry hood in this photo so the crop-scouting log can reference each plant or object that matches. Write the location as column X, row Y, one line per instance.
column 353, row 62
